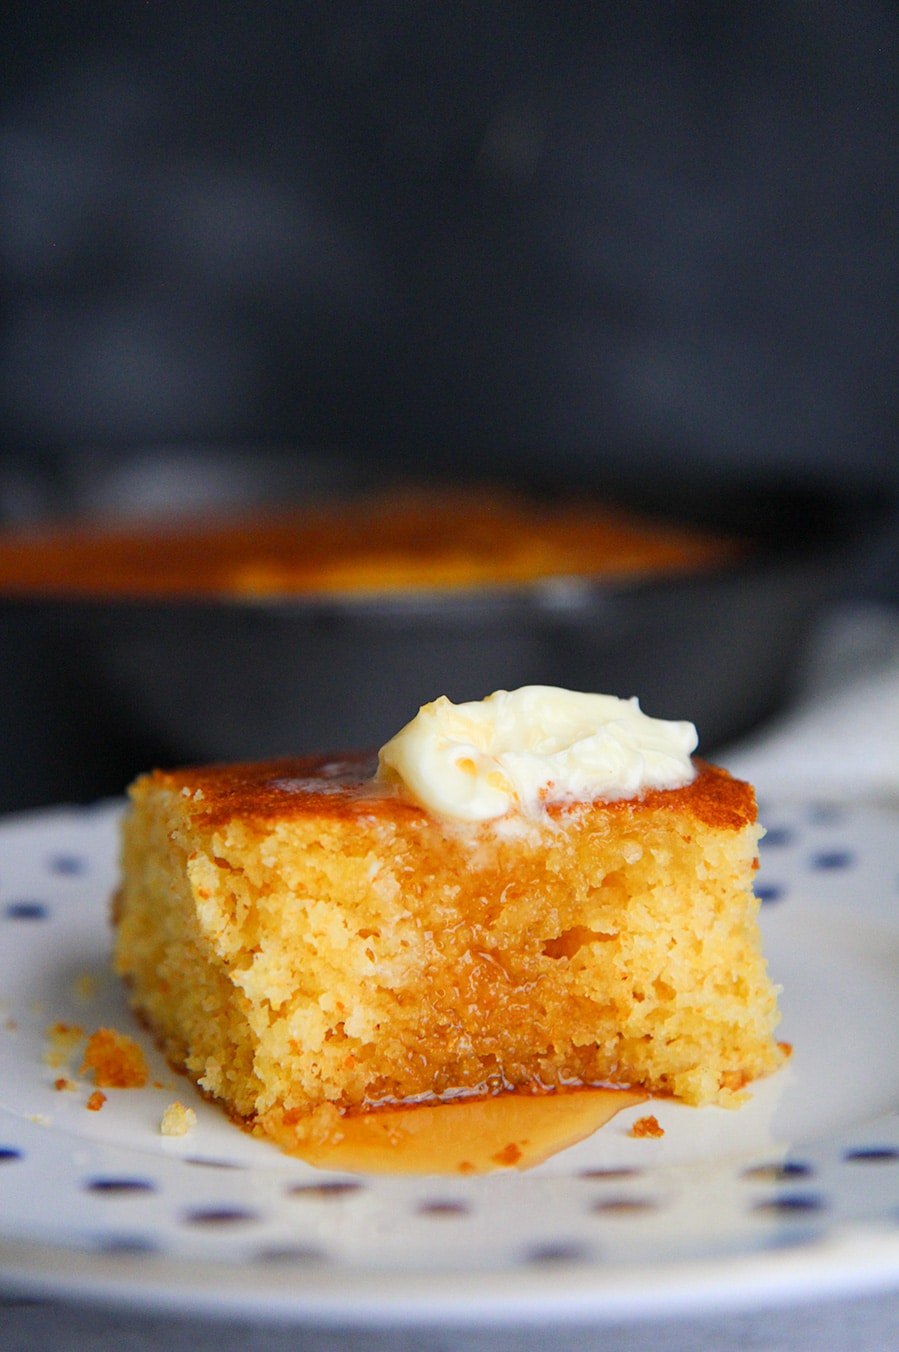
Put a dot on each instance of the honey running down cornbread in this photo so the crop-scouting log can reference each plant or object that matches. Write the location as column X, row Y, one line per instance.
column 305, row 938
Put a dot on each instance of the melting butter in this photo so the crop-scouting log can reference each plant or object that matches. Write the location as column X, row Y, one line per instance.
column 516, row 750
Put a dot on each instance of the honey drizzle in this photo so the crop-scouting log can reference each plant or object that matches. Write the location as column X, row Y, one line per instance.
column 461, row 1136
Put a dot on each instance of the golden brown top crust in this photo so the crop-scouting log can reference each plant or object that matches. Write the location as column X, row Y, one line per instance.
column 343, row 788
column 379, row 543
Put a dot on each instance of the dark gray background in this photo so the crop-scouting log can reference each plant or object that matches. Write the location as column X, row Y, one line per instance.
column 644, row 248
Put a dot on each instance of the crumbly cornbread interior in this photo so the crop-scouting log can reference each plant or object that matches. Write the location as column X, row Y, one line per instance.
column 301, row 939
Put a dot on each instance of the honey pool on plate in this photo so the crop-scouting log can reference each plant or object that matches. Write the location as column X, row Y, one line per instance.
column 464, row 1136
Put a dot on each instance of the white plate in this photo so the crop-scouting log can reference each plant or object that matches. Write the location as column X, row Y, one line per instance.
column 795, row 1194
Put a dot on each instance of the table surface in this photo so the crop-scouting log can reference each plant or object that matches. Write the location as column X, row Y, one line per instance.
column 862, row 1325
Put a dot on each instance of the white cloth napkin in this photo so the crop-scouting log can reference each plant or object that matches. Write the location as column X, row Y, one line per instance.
column 840, row 736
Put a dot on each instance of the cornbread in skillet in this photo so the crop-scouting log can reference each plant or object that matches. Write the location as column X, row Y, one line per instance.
column 304, row 939
column 396, row 540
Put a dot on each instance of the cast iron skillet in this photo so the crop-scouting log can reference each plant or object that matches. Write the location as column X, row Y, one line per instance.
column 92, row 692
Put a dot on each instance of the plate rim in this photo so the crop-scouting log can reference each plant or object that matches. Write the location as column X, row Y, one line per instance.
column 846, row 1261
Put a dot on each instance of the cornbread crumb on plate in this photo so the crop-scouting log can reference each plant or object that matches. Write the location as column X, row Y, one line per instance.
column 307, row 941
column 115, row 1060
column 647, row 1126
column 177, row 1120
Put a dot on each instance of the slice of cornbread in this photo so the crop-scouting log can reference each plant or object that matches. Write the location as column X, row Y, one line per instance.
column 298, row 934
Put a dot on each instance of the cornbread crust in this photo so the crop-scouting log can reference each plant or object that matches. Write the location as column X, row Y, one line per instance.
column 303, row 940
column 343, row 788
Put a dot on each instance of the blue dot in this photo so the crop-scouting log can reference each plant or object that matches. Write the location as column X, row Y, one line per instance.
column 560, row 1251
column 111, row 1186
column 331, row 1188
column 67, row 865
column 769, row 892
column 8, row 1154
column 776, row 1173
column 286, row 1253
column 125, row 1244
column 26, row 910
column 833, row 859
column 792, row 1204
column 875, row 1154
column 827, row 814
column 792, row 1237
column 219, row 1215
column 795, row 1169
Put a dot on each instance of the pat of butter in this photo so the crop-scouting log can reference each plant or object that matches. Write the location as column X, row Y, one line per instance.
column 516, row 750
